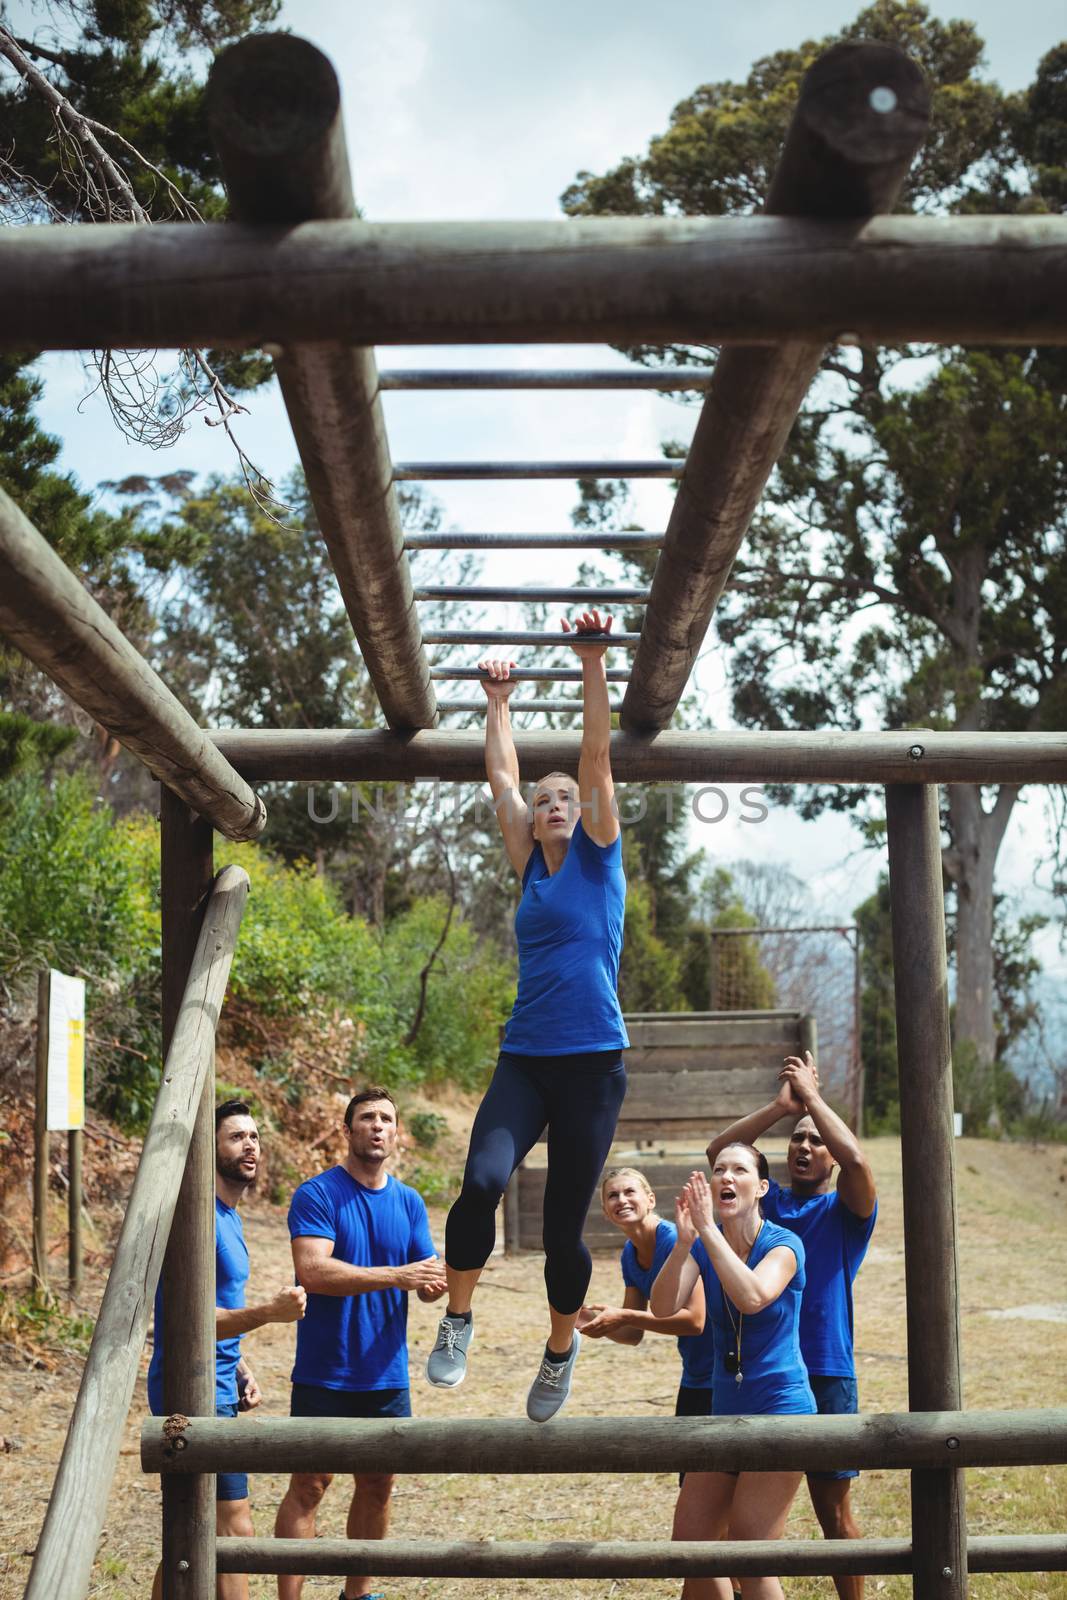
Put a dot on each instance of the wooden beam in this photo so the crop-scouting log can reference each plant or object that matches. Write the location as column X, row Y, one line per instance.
column 862, row 113
column 579, row 1558
column 621, row 280
column 358, row 755
column 48, row 615
column 67, row 1545
column 188, row 1332
column 927, row 1147
column 611, row 1444
column 274, row 110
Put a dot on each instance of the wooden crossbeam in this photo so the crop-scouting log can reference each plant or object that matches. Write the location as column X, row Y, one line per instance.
column 861, row 115
column 48, row 615
column 617, row 1558
column 934, row 1439
column 621, row 280
column 376, row 755
column 274, row 109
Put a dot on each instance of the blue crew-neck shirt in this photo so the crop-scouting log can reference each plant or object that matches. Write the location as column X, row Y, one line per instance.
column 773, row 1375
column 231, row 1275
column 835, row 1243
column 697, row 1350
column 569, row 930
column 358, row 1342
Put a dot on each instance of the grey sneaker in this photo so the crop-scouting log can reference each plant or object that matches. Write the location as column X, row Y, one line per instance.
column 446, row 1365
column 552, row 1385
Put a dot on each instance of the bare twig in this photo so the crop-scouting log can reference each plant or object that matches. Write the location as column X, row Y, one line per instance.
column 146, row 408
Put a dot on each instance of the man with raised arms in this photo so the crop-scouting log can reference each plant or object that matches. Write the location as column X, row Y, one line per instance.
column 835, row 1222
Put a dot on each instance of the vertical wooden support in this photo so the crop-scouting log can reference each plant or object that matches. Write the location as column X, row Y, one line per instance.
column 924, row 1053
column 40, row 1140
column 189, row 1265
column 808, row 1036
column 75, row 1146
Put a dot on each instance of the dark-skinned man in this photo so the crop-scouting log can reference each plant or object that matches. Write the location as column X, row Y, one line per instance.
column 835, row 1221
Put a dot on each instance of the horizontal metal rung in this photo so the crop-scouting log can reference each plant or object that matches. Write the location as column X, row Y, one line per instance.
column 545, row 378
column 421, row 471
column 522, row 593
column 543, row 674
column 566, row 707
column 623, row 641
column 534, row 541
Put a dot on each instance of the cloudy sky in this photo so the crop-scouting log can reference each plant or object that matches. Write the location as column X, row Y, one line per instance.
column 487, row 108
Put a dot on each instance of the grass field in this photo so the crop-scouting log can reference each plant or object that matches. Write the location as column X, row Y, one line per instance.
column 1013, row 1258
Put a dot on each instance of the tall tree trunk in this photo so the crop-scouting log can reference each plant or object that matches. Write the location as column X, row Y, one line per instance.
column 977, row 835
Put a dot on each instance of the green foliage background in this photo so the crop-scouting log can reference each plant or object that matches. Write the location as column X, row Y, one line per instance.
column 79, row 891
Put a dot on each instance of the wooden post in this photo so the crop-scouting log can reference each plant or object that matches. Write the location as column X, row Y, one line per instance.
column 63, row 1561
column 75, row 1147
column 189, row 1264
column 354, row 755
column 274, row 109
column 924, row 1053
column 52, row 618
column 861, row 115
column 40, row 1140
column 808, row 1036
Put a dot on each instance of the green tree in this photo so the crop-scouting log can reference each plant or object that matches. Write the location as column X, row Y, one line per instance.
column 909, row 563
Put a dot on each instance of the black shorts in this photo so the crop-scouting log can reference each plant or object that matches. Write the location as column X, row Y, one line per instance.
column 692, row 1403
column 309, row 1400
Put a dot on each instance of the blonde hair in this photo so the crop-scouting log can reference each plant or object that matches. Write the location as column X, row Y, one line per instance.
column 543, row 783
column 626, row 1172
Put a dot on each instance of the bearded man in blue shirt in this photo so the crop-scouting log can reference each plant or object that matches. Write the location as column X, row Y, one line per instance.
column 361, row 1242
column 237, row 1162
column 835, row 1223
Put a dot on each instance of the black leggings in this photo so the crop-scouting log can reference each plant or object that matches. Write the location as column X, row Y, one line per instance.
column 578, row 1098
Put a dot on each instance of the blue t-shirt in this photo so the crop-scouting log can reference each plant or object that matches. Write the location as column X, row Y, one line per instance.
column 231, row 1275
column 774, row 1379
column 835, row 1243
column 569, row 932
column 358, row 1341
column 697, row 1350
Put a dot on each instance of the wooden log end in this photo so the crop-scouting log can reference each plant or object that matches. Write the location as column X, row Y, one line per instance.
column 863, row 113
column 273, row 105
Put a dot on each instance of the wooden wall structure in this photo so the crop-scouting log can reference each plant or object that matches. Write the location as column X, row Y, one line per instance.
column 689, row 1074
column 298, row 271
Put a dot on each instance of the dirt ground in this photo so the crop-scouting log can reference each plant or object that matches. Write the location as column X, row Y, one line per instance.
column 1014, row 1323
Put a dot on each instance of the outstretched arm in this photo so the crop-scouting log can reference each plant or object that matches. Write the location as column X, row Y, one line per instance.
column 502, row 764
column 786, row 1103
column 749, row 1288
column 595, row 786
column 628, row 1323
column 679, row 1274
column 855, row 1182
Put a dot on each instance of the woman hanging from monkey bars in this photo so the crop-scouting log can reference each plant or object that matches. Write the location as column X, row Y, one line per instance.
column 753, row 1275
column 561, row 1062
